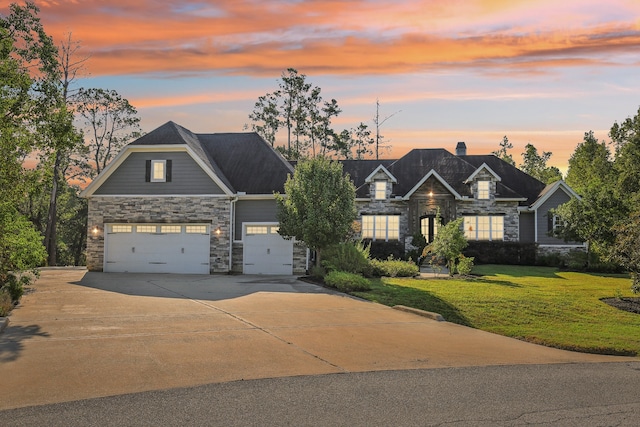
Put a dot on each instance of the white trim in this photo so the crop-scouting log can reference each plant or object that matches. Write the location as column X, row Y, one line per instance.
column 152, row 171
column 512, row 199
column 584, row 245
column 241, row 196
column 383, row 169
column 477, row 171
column 160, row 148
column 439, row 178
column 552, row 190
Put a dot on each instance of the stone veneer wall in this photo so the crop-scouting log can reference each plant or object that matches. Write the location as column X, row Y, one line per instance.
column 209, row 210
column 492, row 207
column 559, row 249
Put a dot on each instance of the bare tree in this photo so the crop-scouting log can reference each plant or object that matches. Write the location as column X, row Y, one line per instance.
column 110, row 122
column 378, row 123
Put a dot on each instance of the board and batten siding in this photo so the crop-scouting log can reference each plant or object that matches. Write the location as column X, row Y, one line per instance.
column 555, row 200
column 187, row 177
column 253, row 211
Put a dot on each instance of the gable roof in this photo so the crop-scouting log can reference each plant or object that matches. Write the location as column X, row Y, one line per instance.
column 242, row 162
column 550, row 189
column 515, row 183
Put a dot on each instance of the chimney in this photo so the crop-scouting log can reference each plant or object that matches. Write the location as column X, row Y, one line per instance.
column 461, row 149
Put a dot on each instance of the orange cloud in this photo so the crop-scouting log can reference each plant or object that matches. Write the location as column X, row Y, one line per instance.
column 338, row 37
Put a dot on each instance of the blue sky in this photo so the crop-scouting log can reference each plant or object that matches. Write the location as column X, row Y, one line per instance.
column 538, row 71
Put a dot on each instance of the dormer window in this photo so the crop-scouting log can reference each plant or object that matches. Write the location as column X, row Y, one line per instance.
column 483, row 190
column 380, row 190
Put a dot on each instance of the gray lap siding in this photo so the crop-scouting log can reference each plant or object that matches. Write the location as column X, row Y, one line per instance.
column 148, row 209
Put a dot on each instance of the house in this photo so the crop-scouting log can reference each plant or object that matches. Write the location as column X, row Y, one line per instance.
column 179, row 202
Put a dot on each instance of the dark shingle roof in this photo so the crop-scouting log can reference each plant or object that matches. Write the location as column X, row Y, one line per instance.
column 247, row 163
column 243, row 161
column 514, row 181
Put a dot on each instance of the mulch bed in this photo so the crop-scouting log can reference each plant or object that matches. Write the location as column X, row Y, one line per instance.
column 627, row 304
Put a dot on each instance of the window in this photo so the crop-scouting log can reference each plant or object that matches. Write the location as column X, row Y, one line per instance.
column 557, row 224
column 171, row 229
column 483, row 190
column 380, row 190
column 381, row 227
column 121, row 228
column 158, row 171
column 196, row 229
column 158, row 168
column 146, row 229
column 257, row 229
column 484, row 227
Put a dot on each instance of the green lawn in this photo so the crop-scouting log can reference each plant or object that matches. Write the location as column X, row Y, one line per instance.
column 536, row 304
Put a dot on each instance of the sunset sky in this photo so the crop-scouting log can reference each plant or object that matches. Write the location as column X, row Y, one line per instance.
column 538, row 71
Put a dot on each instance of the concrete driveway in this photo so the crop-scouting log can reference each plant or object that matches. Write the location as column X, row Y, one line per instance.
column 81, row 335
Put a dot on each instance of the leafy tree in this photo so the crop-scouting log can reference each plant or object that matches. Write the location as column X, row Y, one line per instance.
column 363, row 141
column 110, row 122
column 449, row 243
column 535, row 165
column 626, row 139
column 32, row 115
column 503, row 152
column 626, row 250
column 318, row 207
column 590, row 166
column 298, row 108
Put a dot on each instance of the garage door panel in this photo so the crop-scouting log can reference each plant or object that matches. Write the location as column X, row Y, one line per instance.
column 267, row 253
column 148, row 252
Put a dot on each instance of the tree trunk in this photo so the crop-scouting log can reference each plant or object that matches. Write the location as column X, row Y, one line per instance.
column 50, row 232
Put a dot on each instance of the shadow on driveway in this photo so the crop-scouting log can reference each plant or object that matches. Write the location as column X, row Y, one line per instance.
column 199, row 287
column 12, row 340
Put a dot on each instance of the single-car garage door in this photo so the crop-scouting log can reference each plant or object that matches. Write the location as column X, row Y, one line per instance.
column 265, row 251
column 157, row 248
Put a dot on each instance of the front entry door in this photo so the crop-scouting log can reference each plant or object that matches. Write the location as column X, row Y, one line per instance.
column 429, row 227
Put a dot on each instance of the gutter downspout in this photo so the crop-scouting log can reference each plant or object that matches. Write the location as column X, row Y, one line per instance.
column 232, row 204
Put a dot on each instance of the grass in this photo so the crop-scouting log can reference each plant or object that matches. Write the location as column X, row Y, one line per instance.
column 536, row 304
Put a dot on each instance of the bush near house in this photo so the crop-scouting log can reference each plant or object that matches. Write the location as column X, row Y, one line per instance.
column 349, row 257
column 383, row 250
column 505, row 253
column 394, row 268
column 347, row 282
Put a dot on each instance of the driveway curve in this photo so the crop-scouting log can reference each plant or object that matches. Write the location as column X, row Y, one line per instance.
column 81, row 335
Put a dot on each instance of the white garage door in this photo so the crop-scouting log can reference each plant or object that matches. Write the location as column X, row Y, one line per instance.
column 157, row 248
column 265, row 251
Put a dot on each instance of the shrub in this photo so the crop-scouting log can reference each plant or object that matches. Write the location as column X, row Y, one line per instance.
column 5, row 303
column 510, row 253
column 349, row 257
column 317, row 272
column 347, row 282
column 465, row 265
column 383, row 250
column 14, row 286
column 394, row 268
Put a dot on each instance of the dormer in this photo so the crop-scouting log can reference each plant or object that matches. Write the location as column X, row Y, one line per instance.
column 380, row 183
column 483, row 182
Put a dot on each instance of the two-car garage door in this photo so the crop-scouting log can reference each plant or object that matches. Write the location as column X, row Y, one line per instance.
column 185, row 249
column 157, row 248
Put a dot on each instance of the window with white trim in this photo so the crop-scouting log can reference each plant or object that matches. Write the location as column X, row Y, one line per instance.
column 557, row 224
column 380, row 190
column 158, row 170
column 121, row 228
column 485, row 227
column 483, row 190
column 381, row 227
